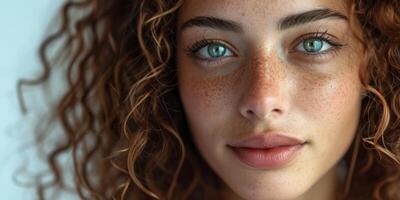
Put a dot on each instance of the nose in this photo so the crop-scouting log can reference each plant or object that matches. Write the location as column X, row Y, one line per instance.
column 266, row 94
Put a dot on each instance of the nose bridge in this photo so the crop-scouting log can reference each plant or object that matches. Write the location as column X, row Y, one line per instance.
column 267, row 75
column 266, row 87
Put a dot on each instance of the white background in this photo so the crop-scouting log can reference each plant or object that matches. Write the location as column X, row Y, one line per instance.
column 23, row 25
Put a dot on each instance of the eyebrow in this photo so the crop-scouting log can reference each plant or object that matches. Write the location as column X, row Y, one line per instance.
column 212, row 22
column 286, row 23
column 309, row 16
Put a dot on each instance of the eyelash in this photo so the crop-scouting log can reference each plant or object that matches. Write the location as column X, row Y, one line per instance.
column 192, row 50
column 323, row 36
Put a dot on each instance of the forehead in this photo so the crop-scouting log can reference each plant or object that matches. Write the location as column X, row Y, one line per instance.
column 254, row 12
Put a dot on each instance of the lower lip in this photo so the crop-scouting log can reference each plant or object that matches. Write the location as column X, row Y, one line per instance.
column 267, row 158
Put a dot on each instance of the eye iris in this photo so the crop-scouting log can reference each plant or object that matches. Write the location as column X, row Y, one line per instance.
column 312, row 45
column 215, row 50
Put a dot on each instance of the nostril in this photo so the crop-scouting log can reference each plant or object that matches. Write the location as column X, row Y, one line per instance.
column 250, row 112
column 277, row 110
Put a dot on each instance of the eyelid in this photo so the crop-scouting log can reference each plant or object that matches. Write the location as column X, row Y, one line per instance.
column 326, row 46
column 194, row 48
column 325, row 36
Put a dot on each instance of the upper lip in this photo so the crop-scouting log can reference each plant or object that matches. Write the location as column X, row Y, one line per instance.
column 267, row 140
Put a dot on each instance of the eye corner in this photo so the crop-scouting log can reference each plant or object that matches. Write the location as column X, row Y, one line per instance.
column 197, row 47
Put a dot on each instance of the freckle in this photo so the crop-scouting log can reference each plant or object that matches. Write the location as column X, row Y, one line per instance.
column 268, row 66
column 216, row 89
column 209, row 90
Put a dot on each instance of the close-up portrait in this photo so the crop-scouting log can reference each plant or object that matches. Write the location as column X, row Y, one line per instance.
column 215, row 100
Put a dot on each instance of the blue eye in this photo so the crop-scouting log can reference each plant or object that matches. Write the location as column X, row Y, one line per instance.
column 314, row 45
column 213, row 51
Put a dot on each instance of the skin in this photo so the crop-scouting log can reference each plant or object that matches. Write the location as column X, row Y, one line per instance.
column 269, row 85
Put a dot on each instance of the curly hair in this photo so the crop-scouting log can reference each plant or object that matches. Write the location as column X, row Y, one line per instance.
column 123, row 122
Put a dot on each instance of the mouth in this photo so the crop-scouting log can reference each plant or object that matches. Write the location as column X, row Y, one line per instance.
column 267, row 151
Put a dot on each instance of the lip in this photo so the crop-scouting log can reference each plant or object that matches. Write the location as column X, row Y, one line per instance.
column 267, row 151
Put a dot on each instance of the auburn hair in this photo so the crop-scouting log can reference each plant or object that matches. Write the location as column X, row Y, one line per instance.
column 122, row 119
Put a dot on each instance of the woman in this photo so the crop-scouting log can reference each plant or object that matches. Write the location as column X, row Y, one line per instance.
column 229, row 99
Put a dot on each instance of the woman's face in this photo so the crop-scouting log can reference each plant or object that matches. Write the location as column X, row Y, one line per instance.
column 274, row 69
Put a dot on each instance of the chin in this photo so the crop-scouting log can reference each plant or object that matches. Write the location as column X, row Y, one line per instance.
column 268, row 192
column 261, row 195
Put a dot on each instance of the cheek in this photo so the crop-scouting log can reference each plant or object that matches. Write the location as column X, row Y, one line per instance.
column 332, row 110
column 201, row 99
column 200, row 95
column 206, row 104
column 329, row 98
column 208, row 96
column 209, row 104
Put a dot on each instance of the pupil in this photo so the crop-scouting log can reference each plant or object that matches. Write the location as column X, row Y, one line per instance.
column 216, row 50
column 313, row 45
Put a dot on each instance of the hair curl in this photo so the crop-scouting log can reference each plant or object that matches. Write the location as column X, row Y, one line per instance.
column 123, row 122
